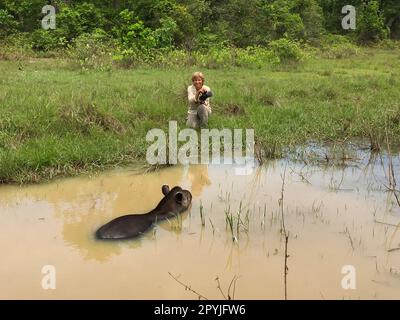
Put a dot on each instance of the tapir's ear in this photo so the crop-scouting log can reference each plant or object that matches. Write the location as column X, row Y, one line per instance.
column 179, row 197
column 165, row 189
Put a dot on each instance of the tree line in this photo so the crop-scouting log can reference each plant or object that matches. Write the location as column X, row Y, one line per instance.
column 196, row 24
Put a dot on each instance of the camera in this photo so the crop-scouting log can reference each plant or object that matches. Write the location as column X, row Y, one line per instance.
column 204, row 95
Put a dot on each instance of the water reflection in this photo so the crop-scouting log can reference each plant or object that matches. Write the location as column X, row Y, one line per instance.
column 197, row 175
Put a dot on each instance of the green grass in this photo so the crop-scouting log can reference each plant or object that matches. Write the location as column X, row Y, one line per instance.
column 55, row 120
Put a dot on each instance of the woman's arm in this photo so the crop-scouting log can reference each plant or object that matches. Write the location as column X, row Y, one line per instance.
column 192, row 96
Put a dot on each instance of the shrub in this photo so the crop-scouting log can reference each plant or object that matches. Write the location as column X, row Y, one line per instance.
column 46, row 40
column 16, row 47
column 334, row 39
column 389, row 44
column 255, row 57
column 339, row 51
column 215, row 58
column 174, row 58
column 8, row 24
column 132, row 34
column 68, row 23
column 90, row 17
column 92, row 50
column 286, row 50
column 164, row 36
column 371, row 27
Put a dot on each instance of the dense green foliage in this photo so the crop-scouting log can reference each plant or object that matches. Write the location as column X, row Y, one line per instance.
column 144, row 25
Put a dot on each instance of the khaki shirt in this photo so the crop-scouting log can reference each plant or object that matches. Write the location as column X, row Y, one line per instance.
column 193, row 103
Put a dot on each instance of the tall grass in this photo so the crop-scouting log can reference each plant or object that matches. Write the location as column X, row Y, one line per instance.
column 56, row 120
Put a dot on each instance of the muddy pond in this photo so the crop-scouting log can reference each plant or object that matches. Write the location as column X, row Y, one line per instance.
column 229, row 243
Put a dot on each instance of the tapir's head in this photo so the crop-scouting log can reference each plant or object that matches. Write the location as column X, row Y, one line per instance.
column 176, row 200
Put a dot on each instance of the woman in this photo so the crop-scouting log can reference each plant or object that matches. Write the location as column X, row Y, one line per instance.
column 199, row 108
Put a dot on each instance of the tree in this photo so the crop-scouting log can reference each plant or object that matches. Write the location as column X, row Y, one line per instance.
column 391, row 12
column 8, row 24
column 312, row 18
column 371, row 25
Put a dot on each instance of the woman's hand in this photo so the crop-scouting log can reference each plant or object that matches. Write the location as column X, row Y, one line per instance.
column 200, row 91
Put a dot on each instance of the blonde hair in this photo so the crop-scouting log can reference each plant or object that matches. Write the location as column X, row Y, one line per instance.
column 198, row 74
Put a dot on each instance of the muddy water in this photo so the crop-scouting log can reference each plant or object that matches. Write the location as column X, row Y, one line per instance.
column 335, row 216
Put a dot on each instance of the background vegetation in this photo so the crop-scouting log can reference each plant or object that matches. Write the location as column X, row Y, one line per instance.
column 137, row 31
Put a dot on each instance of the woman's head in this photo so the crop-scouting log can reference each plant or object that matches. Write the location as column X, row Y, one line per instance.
column 198, row 79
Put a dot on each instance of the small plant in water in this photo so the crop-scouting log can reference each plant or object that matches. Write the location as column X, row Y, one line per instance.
column 203, row 221
column 229, row 221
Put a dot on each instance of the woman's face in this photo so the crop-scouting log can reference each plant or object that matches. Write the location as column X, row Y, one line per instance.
column 198, row 83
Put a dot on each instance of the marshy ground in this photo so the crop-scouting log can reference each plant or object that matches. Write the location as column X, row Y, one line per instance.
column 56, row 120
column 335, row 215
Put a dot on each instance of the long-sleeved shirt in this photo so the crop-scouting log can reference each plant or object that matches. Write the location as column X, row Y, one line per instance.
column 193, row 103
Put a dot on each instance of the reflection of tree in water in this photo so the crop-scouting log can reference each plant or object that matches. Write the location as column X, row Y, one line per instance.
column 83, row 205
column 79, row 234
column 198, row 177
column 97, row 204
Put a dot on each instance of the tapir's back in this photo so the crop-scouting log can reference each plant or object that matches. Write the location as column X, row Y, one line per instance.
column 124, row 227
